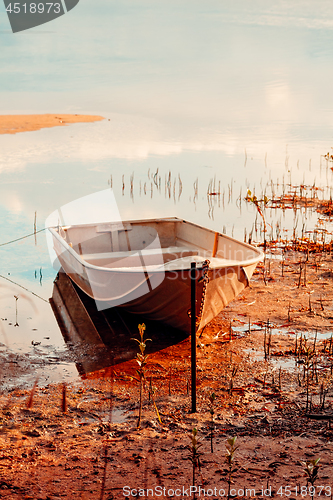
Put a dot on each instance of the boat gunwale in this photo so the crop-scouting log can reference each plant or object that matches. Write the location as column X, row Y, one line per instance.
column 158, row 269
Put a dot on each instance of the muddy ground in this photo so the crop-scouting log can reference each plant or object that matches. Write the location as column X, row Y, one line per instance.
column 86, row 445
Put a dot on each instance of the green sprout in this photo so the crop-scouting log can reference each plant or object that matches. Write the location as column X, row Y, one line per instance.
column 311, row 469
column 229, row 458
column 195, row 454
column 141, row 359
column 251, row 198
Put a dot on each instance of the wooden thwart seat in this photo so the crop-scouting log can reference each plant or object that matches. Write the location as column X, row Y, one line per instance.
column 157, row 254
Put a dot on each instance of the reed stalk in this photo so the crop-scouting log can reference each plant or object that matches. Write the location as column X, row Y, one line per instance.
column 212, row 398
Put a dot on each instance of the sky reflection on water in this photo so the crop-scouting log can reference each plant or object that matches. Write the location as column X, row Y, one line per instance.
column 235, row 91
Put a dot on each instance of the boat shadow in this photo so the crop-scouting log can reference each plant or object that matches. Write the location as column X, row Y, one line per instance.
column 102, row 339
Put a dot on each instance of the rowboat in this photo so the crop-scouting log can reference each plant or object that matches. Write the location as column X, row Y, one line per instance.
column 96, row 339
column 144, row 266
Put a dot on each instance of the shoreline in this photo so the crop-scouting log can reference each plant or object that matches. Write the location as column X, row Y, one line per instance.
column 13, row 124
column 86, row 432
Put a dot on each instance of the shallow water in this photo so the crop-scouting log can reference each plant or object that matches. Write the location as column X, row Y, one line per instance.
column 326, row 333
column 224, row 96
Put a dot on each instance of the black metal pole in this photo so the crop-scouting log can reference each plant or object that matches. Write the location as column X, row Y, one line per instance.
column 193, row 341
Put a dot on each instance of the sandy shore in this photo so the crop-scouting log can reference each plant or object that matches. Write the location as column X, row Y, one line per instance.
column 12, row 124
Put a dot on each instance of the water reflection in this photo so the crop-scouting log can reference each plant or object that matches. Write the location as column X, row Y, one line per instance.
column 101, row 339
column 224, row 95
column 31, row 346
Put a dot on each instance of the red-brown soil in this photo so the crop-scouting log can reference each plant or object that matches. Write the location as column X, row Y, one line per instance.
column 83, row 453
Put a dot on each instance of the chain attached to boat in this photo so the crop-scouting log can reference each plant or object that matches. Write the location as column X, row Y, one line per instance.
column 205, row 280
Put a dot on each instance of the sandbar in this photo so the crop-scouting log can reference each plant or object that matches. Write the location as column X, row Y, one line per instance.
column 13, row 124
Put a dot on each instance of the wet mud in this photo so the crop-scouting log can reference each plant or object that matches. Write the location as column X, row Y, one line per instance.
column 80, row 440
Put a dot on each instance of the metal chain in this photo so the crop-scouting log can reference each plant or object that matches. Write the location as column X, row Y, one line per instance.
column 205, row 279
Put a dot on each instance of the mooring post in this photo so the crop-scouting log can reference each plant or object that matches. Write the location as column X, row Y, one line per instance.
column 193, row 340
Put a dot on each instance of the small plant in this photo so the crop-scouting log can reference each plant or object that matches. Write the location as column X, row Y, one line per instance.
column 141, row 359
column 211, row 398
column 308, row 364
column 234, row 370
column 229, row 458
column 267, row 343
column 195, row 454
column 326, row 383
column 251, row 198
column 280, row 385
column 311, row 469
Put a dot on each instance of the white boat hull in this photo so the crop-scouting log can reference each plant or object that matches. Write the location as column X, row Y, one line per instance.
column 144, row 267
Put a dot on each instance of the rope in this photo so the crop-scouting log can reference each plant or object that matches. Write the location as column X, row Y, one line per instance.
column 22, row 237
column 14, row 282
column 33, row 293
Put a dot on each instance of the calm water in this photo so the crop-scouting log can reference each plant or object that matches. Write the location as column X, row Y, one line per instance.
column 236, row 92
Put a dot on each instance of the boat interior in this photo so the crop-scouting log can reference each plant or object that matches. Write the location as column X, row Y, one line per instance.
column 169, row 243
